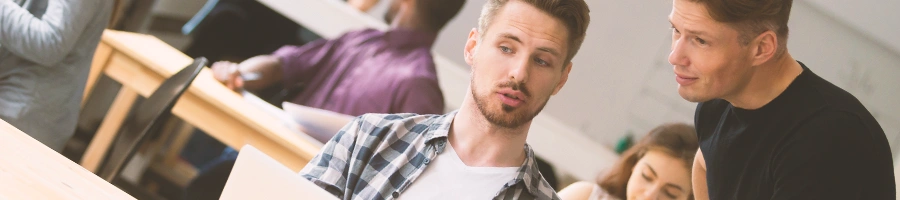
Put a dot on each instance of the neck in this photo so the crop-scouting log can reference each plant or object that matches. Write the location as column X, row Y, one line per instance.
column 482, row 144
column 767, row 82
column 410, row 22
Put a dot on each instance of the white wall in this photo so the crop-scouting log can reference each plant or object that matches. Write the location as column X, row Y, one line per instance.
column 878, row 19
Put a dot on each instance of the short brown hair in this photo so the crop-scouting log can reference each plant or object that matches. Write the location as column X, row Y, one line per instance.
column 752, row 17
column 678, row 140
column 573, row 13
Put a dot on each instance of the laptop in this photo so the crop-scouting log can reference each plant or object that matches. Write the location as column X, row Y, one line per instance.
column 257, row 176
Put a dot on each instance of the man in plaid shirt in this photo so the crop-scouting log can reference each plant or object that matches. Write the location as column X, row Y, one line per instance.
column 520, row 55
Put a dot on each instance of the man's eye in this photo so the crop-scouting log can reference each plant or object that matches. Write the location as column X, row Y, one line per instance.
column 505, row 49
column 540, row 62
column 701, row 41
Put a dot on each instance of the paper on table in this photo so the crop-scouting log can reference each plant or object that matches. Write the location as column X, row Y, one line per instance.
column 316, row 121
column 282, row 115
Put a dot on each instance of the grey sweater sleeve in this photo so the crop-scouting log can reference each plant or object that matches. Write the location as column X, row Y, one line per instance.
column 46, row 40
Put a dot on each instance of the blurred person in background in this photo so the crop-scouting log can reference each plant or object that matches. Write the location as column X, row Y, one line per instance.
column 657, row 167
column 364, row 71
column 234, row 30
column 46, row 48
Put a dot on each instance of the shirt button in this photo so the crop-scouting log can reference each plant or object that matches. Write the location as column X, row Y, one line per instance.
column 427, row 161
column 395, row 194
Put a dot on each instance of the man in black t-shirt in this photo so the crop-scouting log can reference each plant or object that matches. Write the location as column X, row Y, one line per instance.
column 770, row 128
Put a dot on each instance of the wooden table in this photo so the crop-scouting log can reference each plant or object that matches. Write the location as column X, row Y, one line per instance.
column 141, row 62
column 30, row 170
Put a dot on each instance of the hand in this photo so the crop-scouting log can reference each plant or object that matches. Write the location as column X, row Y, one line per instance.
column 228, row 73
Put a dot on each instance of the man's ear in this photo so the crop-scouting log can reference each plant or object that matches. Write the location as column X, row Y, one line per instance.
column 471, row 46
column 564, row 78
column 764, row 47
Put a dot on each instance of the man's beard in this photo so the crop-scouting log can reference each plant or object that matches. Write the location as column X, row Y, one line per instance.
column 502, row 117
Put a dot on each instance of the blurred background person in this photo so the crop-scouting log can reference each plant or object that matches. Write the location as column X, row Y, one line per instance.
column 365, row 71
column 657, row 167
column 46, row 48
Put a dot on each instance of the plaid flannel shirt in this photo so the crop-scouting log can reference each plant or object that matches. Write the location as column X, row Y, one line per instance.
column 377, row 156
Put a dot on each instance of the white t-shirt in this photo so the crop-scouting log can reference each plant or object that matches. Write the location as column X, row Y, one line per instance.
column 447, row 177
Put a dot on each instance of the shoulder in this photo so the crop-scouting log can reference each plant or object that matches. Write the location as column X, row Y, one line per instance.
column 546, row 190
column 831, row 123
column 707, row 115
column 415, row 72
column 379, row 125
column 359, row 36
column 416, row 63
column 711, row 108
column 367, row 32
column 578, row 190
column 831, row 98
column 834, row 132
column 388, row 120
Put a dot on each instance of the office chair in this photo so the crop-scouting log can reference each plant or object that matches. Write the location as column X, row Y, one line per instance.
column 147, row 119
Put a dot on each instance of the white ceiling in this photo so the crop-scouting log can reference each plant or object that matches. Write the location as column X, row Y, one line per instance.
column 878, row 19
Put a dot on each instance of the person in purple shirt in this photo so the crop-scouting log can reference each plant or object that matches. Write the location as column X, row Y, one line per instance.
column 365, row 71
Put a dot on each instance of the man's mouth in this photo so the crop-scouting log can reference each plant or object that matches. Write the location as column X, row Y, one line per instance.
column 511, row 96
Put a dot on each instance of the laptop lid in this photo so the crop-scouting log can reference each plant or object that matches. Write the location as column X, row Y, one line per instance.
column 257, row 176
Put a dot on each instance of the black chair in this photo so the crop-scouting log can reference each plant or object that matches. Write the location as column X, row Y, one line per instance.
column 143, row 122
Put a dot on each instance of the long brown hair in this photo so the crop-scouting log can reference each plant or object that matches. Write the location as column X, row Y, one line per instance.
column 678, row 140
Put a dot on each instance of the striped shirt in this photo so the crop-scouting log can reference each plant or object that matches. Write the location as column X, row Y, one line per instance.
column 377, row 156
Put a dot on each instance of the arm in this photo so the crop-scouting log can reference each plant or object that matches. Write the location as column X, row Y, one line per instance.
column 46, row 40
column 698, row 177
column 268, row 67
column 577, row 191
column 327, row 169
column 289, row 63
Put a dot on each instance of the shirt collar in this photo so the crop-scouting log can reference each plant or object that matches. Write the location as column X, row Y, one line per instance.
column 528, row 173
column 440, row 129
column 401, row 37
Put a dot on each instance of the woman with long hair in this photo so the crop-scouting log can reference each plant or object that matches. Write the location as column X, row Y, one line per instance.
column 657, row 167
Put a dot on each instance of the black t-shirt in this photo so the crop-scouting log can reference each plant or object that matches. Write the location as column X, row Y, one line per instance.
column 813, row 141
